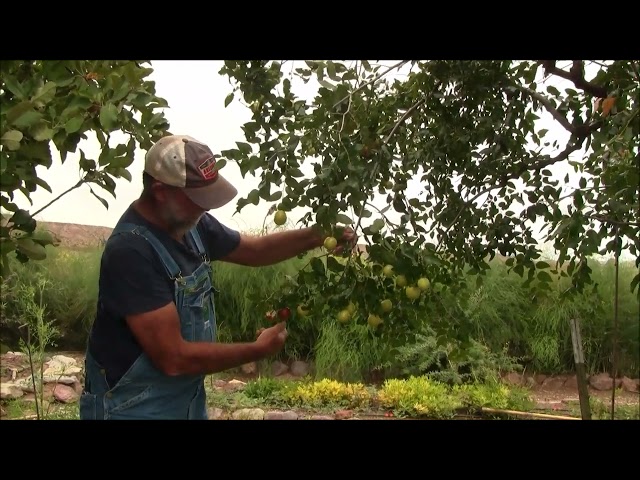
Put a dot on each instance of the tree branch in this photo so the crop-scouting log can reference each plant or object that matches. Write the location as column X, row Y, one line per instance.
column 547, row 104
column 376, row 167
column 58, row 197
column 536, row 166
column 575, row 75
column 383, row 215
column 614, row 222
column 403, row 118
column 634, row 67
column 373, row 80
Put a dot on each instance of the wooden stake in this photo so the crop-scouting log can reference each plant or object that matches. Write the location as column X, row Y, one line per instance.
column 528, row 414
column 581, row 376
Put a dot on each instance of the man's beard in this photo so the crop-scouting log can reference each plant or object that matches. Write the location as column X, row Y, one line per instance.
column 177, row 224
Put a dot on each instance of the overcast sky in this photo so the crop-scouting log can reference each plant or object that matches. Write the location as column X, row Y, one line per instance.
column 195, row 93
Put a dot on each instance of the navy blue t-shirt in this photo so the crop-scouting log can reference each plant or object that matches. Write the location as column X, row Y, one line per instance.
column 133, row 280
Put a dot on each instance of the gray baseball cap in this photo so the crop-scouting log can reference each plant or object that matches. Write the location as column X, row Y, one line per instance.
column 184, row 162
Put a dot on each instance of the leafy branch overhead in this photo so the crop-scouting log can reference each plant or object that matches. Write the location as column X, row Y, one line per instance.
column 56, row 104
column 471, row 135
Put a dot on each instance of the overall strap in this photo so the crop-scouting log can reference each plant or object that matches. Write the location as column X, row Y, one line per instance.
column 170, row 265
column 195, row 236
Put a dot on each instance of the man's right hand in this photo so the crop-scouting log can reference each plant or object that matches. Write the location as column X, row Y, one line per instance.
column 271, row 340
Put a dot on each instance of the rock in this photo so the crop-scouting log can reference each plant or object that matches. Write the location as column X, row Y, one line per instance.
column 603, row 382
column 279, row 368
column 630, row 385
column 26, row 384
column 276, row 415
column 299, row 368
column 343, row 414
column 249, row 368
column 572, row 382
column 540, row 378
column 10, row 391
column 219, row 384
column 513, row 378
column 248, row 414
column 321, row 417
column 554, row 383
column 216, row 414
column 77, row 386
column 60, row 365
column 64, row 379
column 234, row 386
column 65, row 393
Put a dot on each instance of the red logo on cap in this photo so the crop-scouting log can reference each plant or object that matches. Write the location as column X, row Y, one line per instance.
column 208, row 169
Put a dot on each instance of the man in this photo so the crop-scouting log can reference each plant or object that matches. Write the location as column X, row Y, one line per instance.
column 154, row 337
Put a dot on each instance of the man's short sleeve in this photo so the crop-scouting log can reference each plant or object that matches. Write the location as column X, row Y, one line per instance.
column 219, row 239
column 132, row 280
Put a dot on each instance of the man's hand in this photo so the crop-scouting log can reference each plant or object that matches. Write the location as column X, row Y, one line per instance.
column 346, row 237
column 271, row 340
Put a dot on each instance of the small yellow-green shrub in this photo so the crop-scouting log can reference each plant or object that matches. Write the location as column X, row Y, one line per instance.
column 328, row 392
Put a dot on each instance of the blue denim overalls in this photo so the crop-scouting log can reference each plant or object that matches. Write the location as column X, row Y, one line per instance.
column 144, row 392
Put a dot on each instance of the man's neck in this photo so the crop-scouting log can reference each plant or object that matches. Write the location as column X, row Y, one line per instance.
column 147, row 210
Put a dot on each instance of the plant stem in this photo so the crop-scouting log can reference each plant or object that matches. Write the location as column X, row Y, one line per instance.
column 33, row 373
column 59, row 197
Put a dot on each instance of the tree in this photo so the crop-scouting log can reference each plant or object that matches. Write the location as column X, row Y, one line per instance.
column 55, row 104
column 467, row 131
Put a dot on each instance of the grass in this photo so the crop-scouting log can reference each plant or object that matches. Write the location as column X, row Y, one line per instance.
column 511, row 329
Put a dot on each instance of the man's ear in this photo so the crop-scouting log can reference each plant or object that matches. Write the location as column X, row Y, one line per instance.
column 159, row 191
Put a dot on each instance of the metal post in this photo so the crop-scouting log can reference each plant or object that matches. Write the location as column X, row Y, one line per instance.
column 581, row 376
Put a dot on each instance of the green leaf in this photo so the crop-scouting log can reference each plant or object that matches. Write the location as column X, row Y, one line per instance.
column 342, row 218
column 31, row 249
column 220, row 163
column 12, row 139
column 12, row 84
column 6, row 246
column 27, row 119
column 317, row 265
column 74, row 124
column 544, row 276
column 228, row 99
column 43, row 184
column 41, row 131
column 109, row 117
column 635, row 282
column 377, row 225
column 45, row 237
column 17, row 111
column 102, row 200
column 45, row 94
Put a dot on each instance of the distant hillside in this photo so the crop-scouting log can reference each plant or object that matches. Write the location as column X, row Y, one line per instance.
column 73, row 235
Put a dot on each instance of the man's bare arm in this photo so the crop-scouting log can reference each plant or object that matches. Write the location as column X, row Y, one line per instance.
column 158, row 333
column 257, row 251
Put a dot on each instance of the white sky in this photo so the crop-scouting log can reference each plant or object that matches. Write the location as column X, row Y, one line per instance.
column 195, row 93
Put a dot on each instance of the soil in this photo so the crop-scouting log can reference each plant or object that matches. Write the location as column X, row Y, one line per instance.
column 549, row 393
